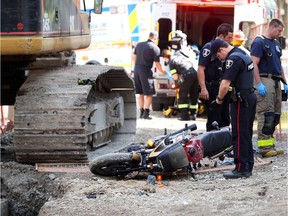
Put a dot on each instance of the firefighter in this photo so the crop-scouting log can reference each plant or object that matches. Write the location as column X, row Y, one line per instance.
column 239, row 74
column 239, row 40
column 265, row 53
column 183, row 72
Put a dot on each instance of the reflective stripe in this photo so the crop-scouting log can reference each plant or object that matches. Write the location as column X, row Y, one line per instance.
column 133, row 22
column 266, row 143
column 183, row 106
column 173, row 71
column 193, row 106
column 132, row 13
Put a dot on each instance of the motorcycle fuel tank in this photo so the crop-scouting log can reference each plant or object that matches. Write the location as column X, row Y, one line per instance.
column 194, row 150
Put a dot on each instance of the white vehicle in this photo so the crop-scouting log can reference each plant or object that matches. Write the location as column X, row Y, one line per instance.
column 253, row 17
column 199, row 19
column 115, row 32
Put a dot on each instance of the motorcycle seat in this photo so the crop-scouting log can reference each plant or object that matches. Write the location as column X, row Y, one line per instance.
column 216, row 141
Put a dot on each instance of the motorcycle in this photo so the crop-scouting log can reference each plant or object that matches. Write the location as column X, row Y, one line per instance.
column 167, row 153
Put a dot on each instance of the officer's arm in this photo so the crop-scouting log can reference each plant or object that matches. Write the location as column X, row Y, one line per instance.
column 201, row 79
column 160, row 67
column 256, row 61
column 201, row 76
column 224, row 87
column 134, row 58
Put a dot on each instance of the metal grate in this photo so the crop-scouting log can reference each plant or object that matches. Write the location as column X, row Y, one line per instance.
column 84, row 167
column 257, row 162
column 63, row 167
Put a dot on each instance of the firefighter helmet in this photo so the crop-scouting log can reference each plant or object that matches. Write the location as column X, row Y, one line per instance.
column 179, row 40
column 238, row 38
column 239, row 35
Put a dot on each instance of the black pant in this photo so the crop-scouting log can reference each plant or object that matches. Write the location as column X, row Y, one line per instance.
column 242, row 130
column 188, row 89
column 221, row 114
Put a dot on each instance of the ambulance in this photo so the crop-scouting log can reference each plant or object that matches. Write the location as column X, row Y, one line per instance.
column 199, row 19
column 115, row 32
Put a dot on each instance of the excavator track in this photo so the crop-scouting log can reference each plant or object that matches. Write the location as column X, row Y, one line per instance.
column 57, row 120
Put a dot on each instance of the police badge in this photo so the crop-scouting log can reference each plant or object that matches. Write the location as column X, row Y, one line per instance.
column 206, row 52
column 229, row 63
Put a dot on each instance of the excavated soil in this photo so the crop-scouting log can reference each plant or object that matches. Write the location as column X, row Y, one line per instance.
column 29, row 192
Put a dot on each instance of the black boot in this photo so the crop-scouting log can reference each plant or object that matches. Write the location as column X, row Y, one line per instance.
column 192, row 114
column 146, row 114
column 245, row 172
column 184, row 115
column 235, row 174
column 141, row 113
column 193, row 117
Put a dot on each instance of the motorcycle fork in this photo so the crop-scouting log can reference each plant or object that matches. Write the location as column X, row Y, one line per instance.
column 190, row 169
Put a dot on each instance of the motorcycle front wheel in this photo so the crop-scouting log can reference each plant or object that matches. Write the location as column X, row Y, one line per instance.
column 113, row 164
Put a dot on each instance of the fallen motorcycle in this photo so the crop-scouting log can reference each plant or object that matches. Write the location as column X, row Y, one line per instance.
column 167, row 153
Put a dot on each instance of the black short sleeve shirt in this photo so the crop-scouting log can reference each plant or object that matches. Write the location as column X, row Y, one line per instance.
column 147, row 52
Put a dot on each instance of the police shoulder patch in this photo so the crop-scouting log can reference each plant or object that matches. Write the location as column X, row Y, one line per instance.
column 229, row 63
column 250, row 66
column 206, row 52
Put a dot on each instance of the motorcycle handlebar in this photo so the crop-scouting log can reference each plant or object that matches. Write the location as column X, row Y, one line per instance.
column 190, row 127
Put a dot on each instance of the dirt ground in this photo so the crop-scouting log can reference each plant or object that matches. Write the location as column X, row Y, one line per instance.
column 81, row 194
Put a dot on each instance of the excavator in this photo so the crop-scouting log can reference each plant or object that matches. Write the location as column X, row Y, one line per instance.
column 63, row 111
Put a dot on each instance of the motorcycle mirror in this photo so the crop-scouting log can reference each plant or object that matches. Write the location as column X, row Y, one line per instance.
column 165, row 131
column 216, row 125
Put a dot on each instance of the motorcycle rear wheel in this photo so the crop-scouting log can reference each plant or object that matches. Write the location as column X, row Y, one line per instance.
column 113, row 164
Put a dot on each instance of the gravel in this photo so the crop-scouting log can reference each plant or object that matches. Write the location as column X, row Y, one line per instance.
column 37, row 193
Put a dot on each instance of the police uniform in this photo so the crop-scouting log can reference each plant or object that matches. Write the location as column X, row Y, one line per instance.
column 188, row 85
column 239, row 70
column 213, row 74
column 268, row 107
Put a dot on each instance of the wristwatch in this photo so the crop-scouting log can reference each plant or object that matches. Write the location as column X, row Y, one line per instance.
column 219, row 99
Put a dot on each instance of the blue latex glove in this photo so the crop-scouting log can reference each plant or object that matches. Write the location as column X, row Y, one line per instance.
column 262, row 89
column 285, row 88
column 168, row 76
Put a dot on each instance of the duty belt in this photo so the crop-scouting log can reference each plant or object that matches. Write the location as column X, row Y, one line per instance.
column 213, row 82
column 242, row 96
column 271, row 76
column 188, row 72
column 245, row 92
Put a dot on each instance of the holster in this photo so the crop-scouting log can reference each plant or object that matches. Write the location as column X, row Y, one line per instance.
column 233, row 96
column 241, row 96
column 284, row 96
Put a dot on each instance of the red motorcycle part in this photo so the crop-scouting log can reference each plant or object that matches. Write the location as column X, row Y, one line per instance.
column 194, row 150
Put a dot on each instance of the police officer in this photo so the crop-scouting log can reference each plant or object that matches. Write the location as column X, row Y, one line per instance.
column 266, row 53
column 239, row 73
column 209, row 75
column 183, row 72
